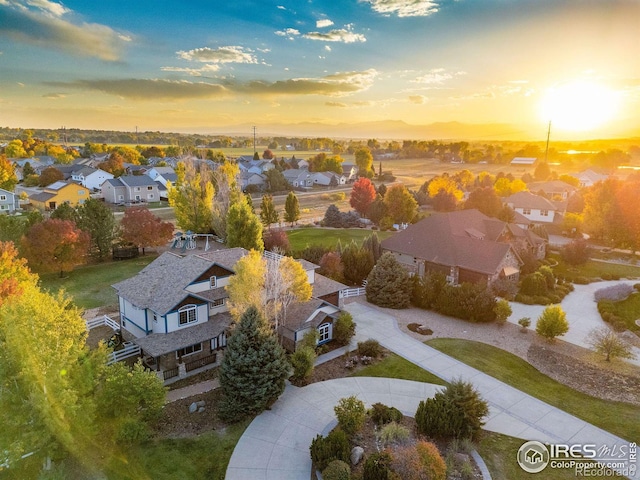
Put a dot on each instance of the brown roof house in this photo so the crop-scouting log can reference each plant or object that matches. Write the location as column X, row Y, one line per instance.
column 466, row 245
column 175, row 310
column 537, row 209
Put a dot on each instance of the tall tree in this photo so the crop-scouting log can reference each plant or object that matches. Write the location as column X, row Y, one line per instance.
column 246, row 287
column 95, row 218
column 253, row 369
column 485, row 200
column 286, row 282
column 291, row 208
column 8, row 178
column 192, row 198
column 364, row 161
column 243, row 227
column 143, row 229
column 55, row 246
column 357, row 262
column 225, row 183
column 377, row 210
column 389, row 284
column 65, row 212
column 268, row 212
column 446, row 184
column 114, row 164
column 50, row 175
column 401, row 205
column 363, row 194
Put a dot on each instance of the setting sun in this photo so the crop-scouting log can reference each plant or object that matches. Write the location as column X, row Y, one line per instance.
column 579, row 105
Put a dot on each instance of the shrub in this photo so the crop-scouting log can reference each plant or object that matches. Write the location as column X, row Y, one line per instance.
column 394, row 433
column 582, row 280
column 524, row 322
column 552, row 323
column 637, row 286
column 456, row 412
column 302, row 361
column 613, row 293
column 547, row 273
column 344, row 328
column 505, row 288
column 370, row 348
column 432, row 461
column 427, row 289
column 334, row 446
column 351, row 414
column 608, row 343
column 382, row 414
column 576, row 252
column 468, row 301
column 534, row 284
column 337, row 470
column 502, row 311
column 276, row 239
column 377, row 467
column 407, row 463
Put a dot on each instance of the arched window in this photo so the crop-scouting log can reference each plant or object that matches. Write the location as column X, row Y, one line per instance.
column 187, row 314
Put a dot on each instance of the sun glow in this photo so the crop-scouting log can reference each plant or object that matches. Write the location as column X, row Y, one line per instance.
column 579, row 106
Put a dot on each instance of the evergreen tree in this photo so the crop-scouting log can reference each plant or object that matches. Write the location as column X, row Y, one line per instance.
column 243, row 227
column 253, row 369
column 65, row 212
column 268, row 212
column 95, row 218
column 372, row 243
column 291, row 208
column 357, row 262
column 388, row 284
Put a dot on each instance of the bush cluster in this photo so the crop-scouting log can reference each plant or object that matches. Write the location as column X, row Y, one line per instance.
column 351, row 414
column 607, row 311
column 394, row 433
column 344, row 328
column 337, row 470
column 370, row 348
column 542, row 288
column 468, row 301
column 378, row 466
column 575, row 252
column 334, row 446
column 613, row 293
column 381, row 414
column 333, row 217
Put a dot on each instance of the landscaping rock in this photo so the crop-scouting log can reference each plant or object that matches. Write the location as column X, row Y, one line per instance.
column 201, row 403
column 356, row 455
column 200, row 409
column 193, row 408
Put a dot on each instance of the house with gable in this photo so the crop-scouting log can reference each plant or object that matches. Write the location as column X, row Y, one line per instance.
column 58, row 193
column 90, row 177
column 554, row 189
column 590, row 177
column 162, row 175
column 175, row 309
column 298, row 178
column 130, row 189
column 9, row 201
column 536, row 208
column 465, row 245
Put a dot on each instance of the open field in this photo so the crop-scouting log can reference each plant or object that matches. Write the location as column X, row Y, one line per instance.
column 616, row 417
column 90, row 286
column 329, row 237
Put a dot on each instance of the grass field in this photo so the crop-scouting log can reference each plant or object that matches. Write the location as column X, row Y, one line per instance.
column 629, row 310
column 394, row 366
column 595, row 270
column 616, row 417
column 329, row 237
column 90, row 286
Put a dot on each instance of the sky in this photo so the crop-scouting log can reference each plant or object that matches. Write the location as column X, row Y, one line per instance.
column 215, row 66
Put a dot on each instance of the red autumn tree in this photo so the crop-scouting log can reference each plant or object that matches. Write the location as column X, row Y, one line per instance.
column 363, row 194
column 143, row 229
column 55, row 245
column 50, row 175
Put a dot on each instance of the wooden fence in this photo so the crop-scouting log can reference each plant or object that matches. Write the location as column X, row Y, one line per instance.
column 129, row 350
column 353, row 292
column 201, row 362
column 103, row 320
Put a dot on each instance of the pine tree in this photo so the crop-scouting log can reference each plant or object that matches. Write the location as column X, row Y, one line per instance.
column 95, row 218
column 291, row 208
column 388, row 284
column 253, row 369
column 268, row 212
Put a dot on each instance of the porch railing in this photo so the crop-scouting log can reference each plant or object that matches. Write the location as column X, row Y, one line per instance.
column 201, row 362
column 170, row 373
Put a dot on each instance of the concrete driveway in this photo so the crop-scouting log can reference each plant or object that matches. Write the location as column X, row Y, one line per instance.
column 582, row 314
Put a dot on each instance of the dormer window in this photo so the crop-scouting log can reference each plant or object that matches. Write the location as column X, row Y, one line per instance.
column 213, row 281
column 187, row 314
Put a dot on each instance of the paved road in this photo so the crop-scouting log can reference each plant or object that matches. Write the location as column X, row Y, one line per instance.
column 276, row 443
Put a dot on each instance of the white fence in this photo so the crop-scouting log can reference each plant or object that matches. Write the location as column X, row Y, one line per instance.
column 353, row 292
column 103, row 320
column 129, row 350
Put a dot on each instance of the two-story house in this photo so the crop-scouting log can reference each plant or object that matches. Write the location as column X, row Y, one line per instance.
column 535, row 208
column 130, row 189
column 8, row 201
column 58, row 193
column 175, row 309
column 90, row 177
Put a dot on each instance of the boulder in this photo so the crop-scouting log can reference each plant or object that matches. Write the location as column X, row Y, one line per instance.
column 193, row 408
column 356, row 455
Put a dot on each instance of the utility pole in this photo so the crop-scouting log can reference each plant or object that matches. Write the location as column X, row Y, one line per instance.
column 546, row 151
column 254, row 141
column 137, row 139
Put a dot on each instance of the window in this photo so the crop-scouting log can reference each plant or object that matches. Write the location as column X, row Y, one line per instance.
column 212, row 282
column 149, row 188
column 150, row 196
column 4, row 207
column 3, row 197
column 218, row 303
column 187, row 314
column 544, row 213
column 526, row 211
column 136, row 189
column 155, row 317
column 325, row 333
column 80, row 192
column 121, row 197
column 191, row 349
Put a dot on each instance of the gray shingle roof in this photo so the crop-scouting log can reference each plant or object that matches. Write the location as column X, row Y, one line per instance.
column 323, row 286
column 530, row 200
column 137, row 181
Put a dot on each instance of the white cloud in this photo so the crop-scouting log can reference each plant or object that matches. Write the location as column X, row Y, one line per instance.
column 229, row 54
column 404, row 8
column 288, row 32
column 280, row 7
column 418, row 99
column 437, row 76
column 195, row 72
column 327, row 48
column 340, row 35
column 323, row 23
column 54, row 8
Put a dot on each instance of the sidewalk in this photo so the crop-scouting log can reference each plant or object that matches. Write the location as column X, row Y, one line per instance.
column 190, row 390
column 276, row 443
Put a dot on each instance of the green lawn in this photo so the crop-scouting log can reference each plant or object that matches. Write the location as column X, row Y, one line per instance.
column 594, row 270
column 328, row 237
column 394, row 366
column 616, row 417
column 90, row 286
column 629, row 310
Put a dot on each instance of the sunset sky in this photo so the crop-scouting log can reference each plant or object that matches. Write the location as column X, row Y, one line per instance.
column 203, row 66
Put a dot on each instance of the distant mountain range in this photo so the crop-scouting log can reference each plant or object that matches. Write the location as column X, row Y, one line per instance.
column 384, row 130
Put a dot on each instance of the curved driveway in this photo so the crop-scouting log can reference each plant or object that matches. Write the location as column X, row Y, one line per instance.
column 276, row 443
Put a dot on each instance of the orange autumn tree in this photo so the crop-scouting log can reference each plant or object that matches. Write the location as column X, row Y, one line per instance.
column 14, row 273
column 55, row 246
column 143, row 229
column 363, row 194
